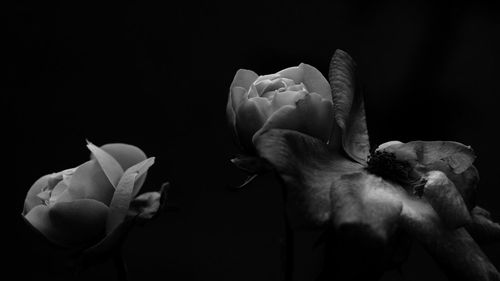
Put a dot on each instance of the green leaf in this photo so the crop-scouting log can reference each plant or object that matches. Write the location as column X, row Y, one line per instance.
column 349, row 108
column 120, row 202
column 112, row 169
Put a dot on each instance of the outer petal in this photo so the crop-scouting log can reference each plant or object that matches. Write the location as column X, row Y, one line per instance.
column 312, row 115
column 32, row 199
column 88, row 182
column 315, row 81
column 482, row 228
column 76, row 223
column 250, row 118
column 127, row 155
column 243, row 78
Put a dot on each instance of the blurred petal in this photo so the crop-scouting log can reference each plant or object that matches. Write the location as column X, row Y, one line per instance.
column 238, row 95
column 243, row 78
column 365, row 207
column 111, row 168
column 482, row 228
column 308, row 169
column 445, row 199
column 89, row 182
column 315, row 81
column 250, row 117
column 349, row 108
column 312, row 115
column 120, row 203
column 32, row 200
column 127, row 155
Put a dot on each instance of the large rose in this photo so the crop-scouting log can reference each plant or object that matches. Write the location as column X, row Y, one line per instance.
column 297, row 98
column 86, row 207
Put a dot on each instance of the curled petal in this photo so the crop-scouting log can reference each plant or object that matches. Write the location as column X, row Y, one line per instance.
column 311, row 115
column 243, row 78
column 250, row 117
column 76, row 223
column 445, row 199
column 308, row 169
column 365, row 207
column 349, row 108
column 482, row 228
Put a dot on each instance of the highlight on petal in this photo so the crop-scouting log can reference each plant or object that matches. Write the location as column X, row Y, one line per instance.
column 111, row 168
column 89, row 182
column 120, row 202
column 445, row 199
column 32, row 200
column 349, row 109
column 243, row 78
column 311, row 115
column 127, row 155
column 315, row 81
column 365, row 207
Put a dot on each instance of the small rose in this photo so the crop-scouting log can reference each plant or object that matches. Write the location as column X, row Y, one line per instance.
column 90, row 208
column 297, row 98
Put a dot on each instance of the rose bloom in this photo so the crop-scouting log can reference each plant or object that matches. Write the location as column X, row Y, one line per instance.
column 79, row 207
column 297, row 98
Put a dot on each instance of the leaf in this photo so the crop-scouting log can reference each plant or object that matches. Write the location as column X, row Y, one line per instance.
column 348, row 108
column 308, row 169
column 445, row 199
column 120, row 202
column 112, row 169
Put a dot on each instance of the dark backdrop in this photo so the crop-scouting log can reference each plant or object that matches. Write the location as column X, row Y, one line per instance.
column 157, row 76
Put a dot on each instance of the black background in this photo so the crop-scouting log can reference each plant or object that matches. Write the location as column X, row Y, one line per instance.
column 157, row 76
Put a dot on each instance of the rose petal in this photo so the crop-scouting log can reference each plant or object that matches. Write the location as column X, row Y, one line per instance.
column 89, row 182
column 445, row 199
column 365, row 207
column 238, row 95
column 250, row 117
column 120, row 202
column 308, row 169
column 312, row 115
column 32, row 200
column 349, row 109
column 145, row 205
column 295, row 73
column 127, row 155
column 281, row 99
column 111, row 168
column 315, row 81
column 243, row 78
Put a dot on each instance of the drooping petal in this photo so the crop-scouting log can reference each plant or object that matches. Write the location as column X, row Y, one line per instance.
column 127, row 155
column 365, row 207
column 308, row 168
column 32, row 200
column 250, row 118
column 311, row 115
column 445, row 199
column 88, row 182
column 482, row 228
column 349, row 109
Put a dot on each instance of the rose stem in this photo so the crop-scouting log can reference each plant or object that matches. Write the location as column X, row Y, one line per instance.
column 120, row 266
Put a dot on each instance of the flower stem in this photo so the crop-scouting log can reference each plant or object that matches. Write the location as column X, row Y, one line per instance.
column 120, row 267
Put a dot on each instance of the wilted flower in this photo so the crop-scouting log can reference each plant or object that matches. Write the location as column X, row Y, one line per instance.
column 296, row 98
column 422, row 189
column 91, row 207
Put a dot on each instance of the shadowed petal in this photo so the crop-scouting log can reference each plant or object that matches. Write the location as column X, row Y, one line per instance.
column 315, row 81
column 308, row 169
column 250, row 118
column 311, row 115
column 32, row 200
column 445, row 199
column 482, row 228
column 365, row 207
column 348, row 107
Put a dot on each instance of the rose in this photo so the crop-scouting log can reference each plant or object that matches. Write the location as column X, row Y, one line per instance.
column 297, row 98
column 89, row 206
